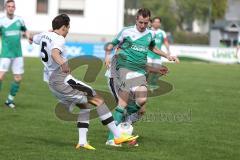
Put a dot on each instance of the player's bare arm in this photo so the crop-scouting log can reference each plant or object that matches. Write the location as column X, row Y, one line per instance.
column 166, row 43
column 161, row 53
column 59, row 60
column 108, row 49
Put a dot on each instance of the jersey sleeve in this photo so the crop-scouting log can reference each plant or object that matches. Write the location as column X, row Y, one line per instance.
column 153, row 43
column 164, row 34
column 23, row 26
column 58, row 44
column 37, row 38
column 119, row 38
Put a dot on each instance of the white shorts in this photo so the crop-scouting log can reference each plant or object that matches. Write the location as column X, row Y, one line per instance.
column 69, row 90
column 17, row 65
column 154, row 61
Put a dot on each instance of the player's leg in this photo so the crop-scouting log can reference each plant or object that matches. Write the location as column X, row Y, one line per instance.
column 18, row 70
column 103, row 112
column 83, row 125
column 153, row 77
column 2, row 74
column 4, row 66
column 134, row 113
column 107, row 119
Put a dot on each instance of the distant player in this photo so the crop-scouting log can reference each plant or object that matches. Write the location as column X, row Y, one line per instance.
column 68, row 90
column 134, row 43
column 153, row 59
column 238, row 49
column 11, row 29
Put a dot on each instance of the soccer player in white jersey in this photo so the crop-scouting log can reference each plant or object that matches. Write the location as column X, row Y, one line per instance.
column 134, row 43
column 68, row 90
column 11, row 29
column 153, row 59
column 238, row 49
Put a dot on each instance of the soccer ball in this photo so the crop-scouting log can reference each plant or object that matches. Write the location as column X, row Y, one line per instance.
column 125, row 128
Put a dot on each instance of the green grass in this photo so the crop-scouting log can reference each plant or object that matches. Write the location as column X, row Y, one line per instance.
column 207, row 93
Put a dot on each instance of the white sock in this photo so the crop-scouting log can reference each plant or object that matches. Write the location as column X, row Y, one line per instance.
column 82, row 136
column 107, row 119
column 83, row 124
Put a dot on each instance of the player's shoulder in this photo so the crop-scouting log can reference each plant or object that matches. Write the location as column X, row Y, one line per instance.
column 56, row 37
column 150, row 31
column 3, row 18
column 161, row 31
column 17, row 17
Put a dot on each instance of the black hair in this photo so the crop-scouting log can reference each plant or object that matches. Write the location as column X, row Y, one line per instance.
column 60, row 20
column 144, row 12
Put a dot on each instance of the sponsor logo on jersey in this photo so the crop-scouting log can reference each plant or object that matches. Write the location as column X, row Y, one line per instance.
column 12, row 33
column 139, row 48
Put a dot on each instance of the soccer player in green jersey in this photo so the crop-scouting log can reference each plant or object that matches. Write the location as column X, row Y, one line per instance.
column 11, row 29
column 133, row 43
column 153, row 59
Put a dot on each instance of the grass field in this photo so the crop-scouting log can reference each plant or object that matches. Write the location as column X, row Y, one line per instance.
column 203, row 120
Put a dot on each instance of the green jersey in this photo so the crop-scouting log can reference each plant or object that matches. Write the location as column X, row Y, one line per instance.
column 160, row 36
column 10, row 31
column 134, row 46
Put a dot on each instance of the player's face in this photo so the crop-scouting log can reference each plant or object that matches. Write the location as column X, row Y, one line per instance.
column 142, row 23
column 156, row 24
column 66, row 30
column 10, row 8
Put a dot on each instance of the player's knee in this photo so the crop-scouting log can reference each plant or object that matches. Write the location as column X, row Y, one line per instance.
column 142, row 101
column 122, row 102
column 2, row 76
column 17, row 78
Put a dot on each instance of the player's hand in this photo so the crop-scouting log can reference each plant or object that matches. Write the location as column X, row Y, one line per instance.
column 163, row 70
column 107, row 60
column 173, row 58
column 65, row 68
column 30, row 39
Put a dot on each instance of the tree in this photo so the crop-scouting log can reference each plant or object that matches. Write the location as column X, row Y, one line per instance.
column 164, row 9
column 219, row 8
column 177, row 13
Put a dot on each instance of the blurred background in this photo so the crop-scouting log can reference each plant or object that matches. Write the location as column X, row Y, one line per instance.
column 201, row 23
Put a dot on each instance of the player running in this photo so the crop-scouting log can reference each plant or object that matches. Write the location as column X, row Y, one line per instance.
column 134, row 43
column 11, row 29
column 68, row 90
column 153, row 59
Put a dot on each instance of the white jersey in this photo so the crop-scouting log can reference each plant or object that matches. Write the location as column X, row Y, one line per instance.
column 49, row 41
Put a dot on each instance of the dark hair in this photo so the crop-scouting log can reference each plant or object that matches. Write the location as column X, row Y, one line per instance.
column 60, row 20
column 144, row 12
column 9, row 1
column 154, row 18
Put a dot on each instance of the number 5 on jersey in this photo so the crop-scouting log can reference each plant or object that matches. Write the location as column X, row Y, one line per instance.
column 44, row 55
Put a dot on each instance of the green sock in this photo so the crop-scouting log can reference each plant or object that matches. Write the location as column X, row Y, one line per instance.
column 132, row 107
column 118, row 117
column 155, row 79
column 13, row 90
